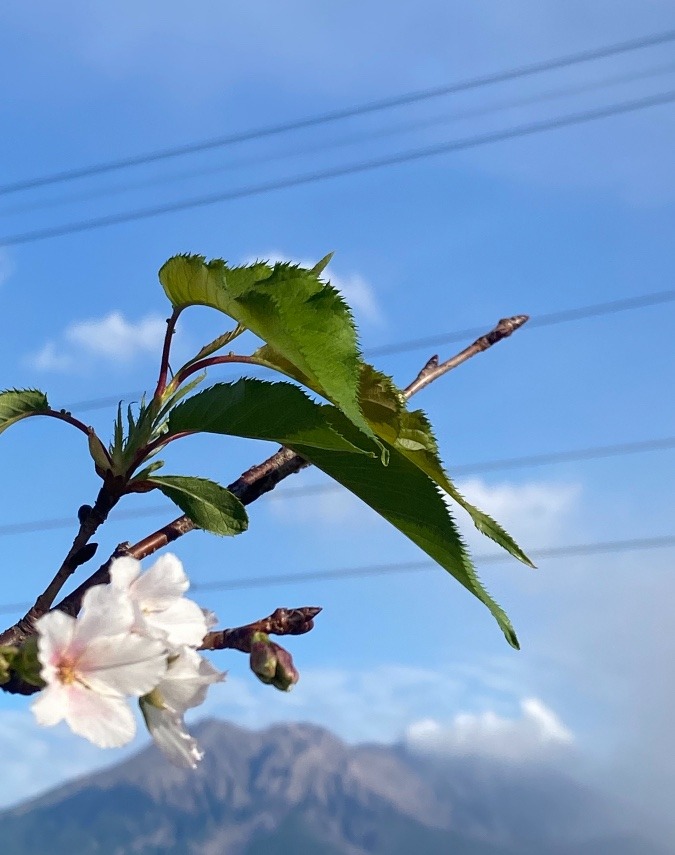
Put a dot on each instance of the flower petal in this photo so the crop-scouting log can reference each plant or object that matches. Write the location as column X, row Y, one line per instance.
column 182, row 623
column 104, row 720
column 123, row 664
column 162, row 584
column 187, row 680
column 168, row 731
column 105, row 611
column 55, row 636
column 50, row 706
column 124, row 571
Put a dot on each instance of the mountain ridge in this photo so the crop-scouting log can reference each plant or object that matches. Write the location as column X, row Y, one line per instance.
column 298, row 787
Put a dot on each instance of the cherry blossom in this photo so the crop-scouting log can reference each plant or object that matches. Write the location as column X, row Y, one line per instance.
column 91, row 663
column 183, row 686
column 161, row 610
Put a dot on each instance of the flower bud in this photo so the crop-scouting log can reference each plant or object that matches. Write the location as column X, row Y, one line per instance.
column 263, row 657
column 286, row 674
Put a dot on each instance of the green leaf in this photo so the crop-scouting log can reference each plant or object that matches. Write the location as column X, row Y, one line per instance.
column 401, row 492
column 405, row 496
column 279, row 412
column 417, row 442
column 304, row 320
column 17, row 404
column 144, row 474
column 206, row 503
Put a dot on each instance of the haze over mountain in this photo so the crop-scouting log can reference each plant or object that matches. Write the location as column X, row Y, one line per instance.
column 297, row 787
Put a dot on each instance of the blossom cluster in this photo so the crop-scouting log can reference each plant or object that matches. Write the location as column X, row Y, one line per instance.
column 136, row 637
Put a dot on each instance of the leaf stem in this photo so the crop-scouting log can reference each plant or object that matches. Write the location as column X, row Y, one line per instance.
column 192, row 368
column 166, row 350
column 69, row 418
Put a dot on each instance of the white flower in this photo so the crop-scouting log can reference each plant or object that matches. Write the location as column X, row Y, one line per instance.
column 91, row 663
column 183, row 686
column 157, row 596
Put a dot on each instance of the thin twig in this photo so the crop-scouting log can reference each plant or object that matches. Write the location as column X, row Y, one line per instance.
column 280, row 622
column 69, row 418
column 166, row 350
column 433, row 369
column 77, row 555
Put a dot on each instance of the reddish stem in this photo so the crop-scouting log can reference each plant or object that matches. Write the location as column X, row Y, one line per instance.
column 188, row 370
column 164, row 364
column 68, row 418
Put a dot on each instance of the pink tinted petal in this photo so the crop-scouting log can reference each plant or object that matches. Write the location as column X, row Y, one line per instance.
column 168, row 731
column 105, row 611
column 123, row 664
column 123, row 572
column 50, row 706
column 106, row 721
column 55, row 635
column 182, row 623
column 187, row 681
column 163, row 583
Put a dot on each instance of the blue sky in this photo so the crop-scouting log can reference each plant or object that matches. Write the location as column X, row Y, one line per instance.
column 558, row 220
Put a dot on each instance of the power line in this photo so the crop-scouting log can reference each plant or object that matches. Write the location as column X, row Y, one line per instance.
column 349, row 112
column 367, row 136
column 583, row 549
column 598, row 548
column 593, row 453
column 341, row 171
column 594, row 310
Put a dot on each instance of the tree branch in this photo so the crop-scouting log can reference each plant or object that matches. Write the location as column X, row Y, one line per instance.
column 280, row 622
column 252, row 484
column 433, row 369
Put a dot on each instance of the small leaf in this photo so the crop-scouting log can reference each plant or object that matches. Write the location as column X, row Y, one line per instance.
column 206, row 503
column 145, row 473
column 17, row 404
column 98, row 452
column 218, row 343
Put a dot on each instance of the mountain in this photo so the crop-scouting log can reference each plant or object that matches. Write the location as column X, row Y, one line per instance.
column 298, row 788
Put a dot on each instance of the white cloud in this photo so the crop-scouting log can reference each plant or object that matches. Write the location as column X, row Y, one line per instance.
column 111, row 338
column 536, row 735
column 114, row 337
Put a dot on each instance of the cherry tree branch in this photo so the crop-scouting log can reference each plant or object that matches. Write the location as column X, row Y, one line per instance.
column 253, row 484
column 280, row 622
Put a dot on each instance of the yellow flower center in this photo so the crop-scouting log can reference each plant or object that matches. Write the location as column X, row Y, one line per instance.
column 66, row 672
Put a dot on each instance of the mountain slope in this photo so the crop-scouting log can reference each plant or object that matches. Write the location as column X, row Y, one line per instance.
column 297, row 788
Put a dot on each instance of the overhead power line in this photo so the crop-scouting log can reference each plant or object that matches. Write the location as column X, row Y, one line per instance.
column 594, row 310
column 335, row 142
column 593, row 453
column 578, row 550
column 95, row 223
column 346, row 113
column 635, row 544
column 549, row 319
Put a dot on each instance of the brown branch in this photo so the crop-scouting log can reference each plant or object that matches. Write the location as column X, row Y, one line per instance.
column 258, row 480
column 280, row 622
column 433, row 369
column 80, row 552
